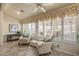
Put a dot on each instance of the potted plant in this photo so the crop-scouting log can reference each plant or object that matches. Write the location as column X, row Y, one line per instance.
column 19, row 33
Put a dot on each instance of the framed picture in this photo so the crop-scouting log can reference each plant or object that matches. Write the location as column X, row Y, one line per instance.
column 13, row 27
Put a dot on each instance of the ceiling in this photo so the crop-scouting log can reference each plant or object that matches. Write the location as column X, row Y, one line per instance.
column 24, row 10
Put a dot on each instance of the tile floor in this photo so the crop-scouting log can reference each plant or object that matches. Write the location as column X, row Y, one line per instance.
column 12, row 49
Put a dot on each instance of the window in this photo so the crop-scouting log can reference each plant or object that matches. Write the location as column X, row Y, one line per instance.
column 40, row 27
column 33, row 27
column 47, row 26
column 69, row 28
column 54, row 25
column 24, row 28
column 27, row 29
column 56, row 28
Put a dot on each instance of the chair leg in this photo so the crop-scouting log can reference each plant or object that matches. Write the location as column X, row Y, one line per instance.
column 49, row 53
column 19, row 44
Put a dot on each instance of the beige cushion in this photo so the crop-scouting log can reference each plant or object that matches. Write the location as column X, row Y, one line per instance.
column 36, row 43
column 23, row 40
column 39, row 43
column 45, row 48
column 33, row 41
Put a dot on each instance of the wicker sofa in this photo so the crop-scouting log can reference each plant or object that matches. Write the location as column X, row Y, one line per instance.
column 42, row 47
column 23, row 41
column 45, row 48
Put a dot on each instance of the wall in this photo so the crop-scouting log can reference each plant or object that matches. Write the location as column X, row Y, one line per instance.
column 1, row 28
column 5, row 20
column 9, row 20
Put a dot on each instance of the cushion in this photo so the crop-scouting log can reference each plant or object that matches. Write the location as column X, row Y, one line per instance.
column 36, row 43
column 39, row 43
column 33, row 41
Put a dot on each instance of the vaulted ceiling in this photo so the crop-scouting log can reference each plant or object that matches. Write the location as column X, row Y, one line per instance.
column 24, row 10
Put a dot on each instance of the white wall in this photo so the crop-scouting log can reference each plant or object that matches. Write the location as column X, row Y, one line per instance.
column 9, row 20
column 6, row 21
column 1, row 28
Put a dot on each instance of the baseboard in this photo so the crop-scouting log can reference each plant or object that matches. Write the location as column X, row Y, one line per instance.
column 73, row 54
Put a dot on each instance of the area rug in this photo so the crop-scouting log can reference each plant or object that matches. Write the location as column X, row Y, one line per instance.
column 12, row 49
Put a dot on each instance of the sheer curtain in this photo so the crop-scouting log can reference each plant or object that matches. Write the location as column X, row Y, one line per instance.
column 56, row 28
column 69, row 28
column 47, row 26
column 27, row 29
column 33, row 27
column 40, row 27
